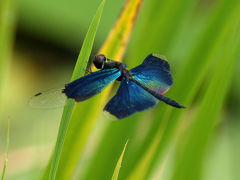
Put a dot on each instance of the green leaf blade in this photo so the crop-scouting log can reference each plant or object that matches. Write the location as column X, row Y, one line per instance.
column 67, row 112
column 118, row 165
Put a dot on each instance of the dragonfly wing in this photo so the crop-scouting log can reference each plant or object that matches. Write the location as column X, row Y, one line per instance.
column 48, row 99
column 129, row 99
column 154, row 73
column 91, row 84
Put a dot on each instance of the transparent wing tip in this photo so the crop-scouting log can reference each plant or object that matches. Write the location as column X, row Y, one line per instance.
column 48, row 99
column 109, row 116
column 160, row 56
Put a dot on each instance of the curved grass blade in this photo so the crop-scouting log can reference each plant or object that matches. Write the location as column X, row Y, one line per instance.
column 80, row 128
column 119, row 163
column 6, row 156
column 82, row 62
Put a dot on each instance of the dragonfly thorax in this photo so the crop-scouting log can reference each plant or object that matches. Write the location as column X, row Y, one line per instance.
column 124, row 71
column 101, row 62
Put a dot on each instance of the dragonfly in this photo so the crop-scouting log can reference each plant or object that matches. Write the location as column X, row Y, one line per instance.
column 141, row 88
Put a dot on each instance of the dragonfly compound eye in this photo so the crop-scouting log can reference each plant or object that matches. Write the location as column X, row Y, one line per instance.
column 99, row 61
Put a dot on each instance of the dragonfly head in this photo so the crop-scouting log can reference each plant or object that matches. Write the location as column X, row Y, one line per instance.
column 99, row 61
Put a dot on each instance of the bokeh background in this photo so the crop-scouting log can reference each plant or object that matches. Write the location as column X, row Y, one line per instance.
column 39, row 51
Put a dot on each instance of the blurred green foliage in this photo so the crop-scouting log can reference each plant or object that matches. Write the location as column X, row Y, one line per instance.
column 201, row 41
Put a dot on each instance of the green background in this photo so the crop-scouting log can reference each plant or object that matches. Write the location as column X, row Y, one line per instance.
column 200, row 40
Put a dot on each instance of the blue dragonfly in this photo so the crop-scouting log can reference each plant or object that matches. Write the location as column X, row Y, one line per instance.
column 141, row 88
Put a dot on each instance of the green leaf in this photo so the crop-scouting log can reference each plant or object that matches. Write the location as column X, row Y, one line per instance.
column 81, row 64
column 118, row 165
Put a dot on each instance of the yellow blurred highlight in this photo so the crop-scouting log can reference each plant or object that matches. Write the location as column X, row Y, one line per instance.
column 117, row 40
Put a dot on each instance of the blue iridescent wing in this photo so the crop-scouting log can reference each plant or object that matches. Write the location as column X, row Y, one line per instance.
column 91, row 84
column 129, row 99
column 154, row 73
